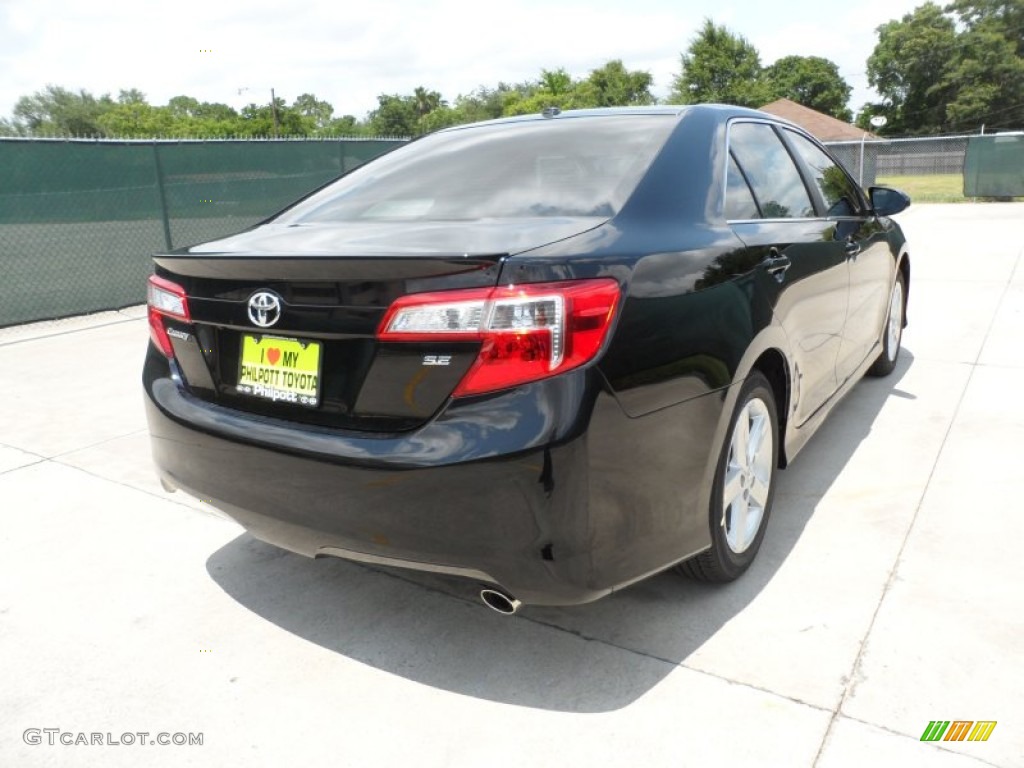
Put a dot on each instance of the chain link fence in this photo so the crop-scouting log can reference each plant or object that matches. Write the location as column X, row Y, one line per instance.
column 939, row 168
column 79, row 219
column 878, row 161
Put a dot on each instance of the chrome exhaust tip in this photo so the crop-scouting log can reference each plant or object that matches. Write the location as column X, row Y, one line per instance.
column 500, row 602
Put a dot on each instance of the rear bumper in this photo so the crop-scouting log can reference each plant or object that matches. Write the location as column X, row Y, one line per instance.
column 504, row 490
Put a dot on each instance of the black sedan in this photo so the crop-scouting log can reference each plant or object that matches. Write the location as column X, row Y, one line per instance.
column 553, row 354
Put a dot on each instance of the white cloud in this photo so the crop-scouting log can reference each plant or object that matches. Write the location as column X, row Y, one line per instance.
column 349, row 53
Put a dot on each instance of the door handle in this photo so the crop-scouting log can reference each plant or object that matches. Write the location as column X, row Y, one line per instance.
column 776, row 264
column 852, row 248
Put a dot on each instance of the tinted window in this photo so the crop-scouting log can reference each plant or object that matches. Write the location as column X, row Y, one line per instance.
column 560, row 167
column 772, row 174
column 836, row 188
column 739, row 200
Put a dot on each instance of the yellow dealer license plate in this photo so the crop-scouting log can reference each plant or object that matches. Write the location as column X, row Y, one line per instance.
column 279, row 369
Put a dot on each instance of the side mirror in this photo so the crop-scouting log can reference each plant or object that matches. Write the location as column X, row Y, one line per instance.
column 887, row 201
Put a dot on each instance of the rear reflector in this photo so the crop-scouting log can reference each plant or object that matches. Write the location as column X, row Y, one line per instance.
column 166, row 299
column 527, row 332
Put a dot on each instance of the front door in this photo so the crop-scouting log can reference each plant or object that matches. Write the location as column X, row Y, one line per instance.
column 802, row 275
column 856, row 234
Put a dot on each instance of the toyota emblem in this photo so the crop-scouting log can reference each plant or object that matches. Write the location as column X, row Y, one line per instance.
column 264, row 308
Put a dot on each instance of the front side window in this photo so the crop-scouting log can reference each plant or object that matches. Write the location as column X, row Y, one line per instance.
column 559, row 167
column 772, row 174
column 838, row 191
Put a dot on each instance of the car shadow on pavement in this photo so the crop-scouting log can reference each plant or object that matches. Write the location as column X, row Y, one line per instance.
column 591, row 658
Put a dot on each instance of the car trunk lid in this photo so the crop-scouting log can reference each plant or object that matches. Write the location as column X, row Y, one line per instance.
column 332, row 285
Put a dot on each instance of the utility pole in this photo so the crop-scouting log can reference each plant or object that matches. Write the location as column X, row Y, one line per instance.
column 273, row 109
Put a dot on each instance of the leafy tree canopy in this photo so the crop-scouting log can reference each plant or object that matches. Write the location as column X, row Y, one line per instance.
column 812, row 81
column 58, row 111
column 721, row 67
column 950, row 69
column 394, row 116
column 614, row 85
column 316, row 114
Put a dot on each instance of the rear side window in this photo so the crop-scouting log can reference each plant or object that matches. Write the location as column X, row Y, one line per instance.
column 561, row 167
column 739, row 200
column 838, row 191
column 773, row 176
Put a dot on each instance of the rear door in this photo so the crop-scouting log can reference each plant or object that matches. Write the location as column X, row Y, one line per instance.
column 803, row 276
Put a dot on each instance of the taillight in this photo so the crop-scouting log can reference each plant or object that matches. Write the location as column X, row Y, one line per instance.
column 527, row 332
column 165, row 299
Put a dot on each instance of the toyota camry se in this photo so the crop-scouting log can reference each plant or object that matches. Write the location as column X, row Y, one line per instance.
column 552, row 354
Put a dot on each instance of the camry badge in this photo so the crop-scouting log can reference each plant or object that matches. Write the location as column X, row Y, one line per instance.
column 264, row 308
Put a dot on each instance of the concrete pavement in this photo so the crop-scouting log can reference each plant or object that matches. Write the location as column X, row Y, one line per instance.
column 888, row 592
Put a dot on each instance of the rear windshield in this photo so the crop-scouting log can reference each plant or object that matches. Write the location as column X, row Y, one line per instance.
column 560, row 167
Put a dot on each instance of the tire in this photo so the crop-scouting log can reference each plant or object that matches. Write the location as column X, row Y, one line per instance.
column 892, row 335
column 735, row 541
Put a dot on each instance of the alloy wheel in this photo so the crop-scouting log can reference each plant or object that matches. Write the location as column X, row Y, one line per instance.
column 748, row 475
column 895, row 329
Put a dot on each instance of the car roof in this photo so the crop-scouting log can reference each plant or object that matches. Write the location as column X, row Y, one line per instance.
column 724, row 111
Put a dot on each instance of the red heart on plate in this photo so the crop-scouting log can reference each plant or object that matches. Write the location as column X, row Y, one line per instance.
column 273, row 355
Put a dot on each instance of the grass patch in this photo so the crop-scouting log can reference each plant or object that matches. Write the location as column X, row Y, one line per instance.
column 937, row 188
column 929, row 188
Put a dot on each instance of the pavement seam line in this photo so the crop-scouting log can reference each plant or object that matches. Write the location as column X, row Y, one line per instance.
column 589, row 638
column 67, row 332
column 96, row 444
column 22, row 466
column 851, row 683
column 162, row 497
column 22, row 450
column 37, row 456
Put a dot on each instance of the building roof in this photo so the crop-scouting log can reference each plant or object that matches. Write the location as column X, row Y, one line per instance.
column 821, row 126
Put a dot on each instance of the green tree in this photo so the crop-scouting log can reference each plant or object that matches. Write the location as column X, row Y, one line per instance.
column 58, row 111
column 207, row 119
column 556, row 82
column 394, row 116
column 347, row 125
column 612, row 85
column 488, row 103
column 316, row 114
column 1005, row 15
column 135, row 119
column 131, row 96
column 214, row 110
column 183, row 106
column 722, row 67
column 258, row 120
column 425, row 102
column 908, row 68
column 439, row 118
column 956, row 68
column 987, row 73
column 555, row 88
column 812, row 81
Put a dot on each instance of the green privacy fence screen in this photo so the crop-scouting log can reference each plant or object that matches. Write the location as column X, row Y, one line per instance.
column 994, row 166
column 79, row 219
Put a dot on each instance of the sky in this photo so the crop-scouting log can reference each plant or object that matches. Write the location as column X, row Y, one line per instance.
column 235, row 51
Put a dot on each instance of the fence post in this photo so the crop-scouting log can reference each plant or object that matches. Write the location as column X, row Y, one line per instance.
column 860, row 180
column 163, row 196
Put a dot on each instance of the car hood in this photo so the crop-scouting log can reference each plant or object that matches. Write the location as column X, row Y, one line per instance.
column 391, row 238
